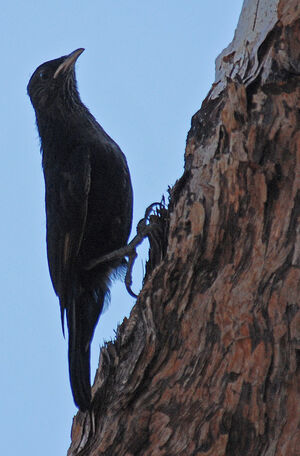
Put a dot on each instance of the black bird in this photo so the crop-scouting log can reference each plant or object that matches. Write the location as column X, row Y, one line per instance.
column 88, row 207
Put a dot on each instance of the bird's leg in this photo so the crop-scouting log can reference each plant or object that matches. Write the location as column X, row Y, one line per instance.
column 143, row 230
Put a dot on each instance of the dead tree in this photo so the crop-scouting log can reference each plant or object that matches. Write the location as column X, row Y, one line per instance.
column 208, row 363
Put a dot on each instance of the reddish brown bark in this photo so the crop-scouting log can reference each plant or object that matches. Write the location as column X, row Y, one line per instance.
column 208, row 363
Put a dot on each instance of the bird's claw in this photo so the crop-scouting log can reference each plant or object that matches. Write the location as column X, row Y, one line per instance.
column 144, row 228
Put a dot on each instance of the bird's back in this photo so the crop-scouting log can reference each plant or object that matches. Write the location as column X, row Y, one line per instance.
column 106, row 228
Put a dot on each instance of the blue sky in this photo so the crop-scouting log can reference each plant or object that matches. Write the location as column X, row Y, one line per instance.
column 145, row 71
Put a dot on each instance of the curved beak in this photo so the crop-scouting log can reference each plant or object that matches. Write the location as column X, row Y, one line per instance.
column 68, row 62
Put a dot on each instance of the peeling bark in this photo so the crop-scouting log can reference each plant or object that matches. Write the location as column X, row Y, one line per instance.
column 208, row 363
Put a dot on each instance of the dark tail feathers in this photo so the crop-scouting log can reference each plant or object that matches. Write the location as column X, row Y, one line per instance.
column 82, row 316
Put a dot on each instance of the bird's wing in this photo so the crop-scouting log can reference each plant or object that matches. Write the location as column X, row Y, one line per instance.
column 67, row 193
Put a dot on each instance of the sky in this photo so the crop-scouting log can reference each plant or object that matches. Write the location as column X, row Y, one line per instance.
column 146, row 69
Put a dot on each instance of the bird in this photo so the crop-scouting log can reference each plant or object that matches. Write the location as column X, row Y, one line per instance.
column 88, row 200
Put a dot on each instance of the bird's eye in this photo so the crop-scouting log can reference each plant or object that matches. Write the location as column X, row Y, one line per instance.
column 43, row 75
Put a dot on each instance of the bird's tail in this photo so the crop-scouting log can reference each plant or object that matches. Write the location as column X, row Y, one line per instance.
column 82, row 316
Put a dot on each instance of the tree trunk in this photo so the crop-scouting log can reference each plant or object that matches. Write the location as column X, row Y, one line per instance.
column 209, row 361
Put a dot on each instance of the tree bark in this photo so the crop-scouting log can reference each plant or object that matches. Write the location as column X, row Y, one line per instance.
column 208, row 363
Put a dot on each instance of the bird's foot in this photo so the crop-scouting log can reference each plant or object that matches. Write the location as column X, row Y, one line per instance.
column 143, row 230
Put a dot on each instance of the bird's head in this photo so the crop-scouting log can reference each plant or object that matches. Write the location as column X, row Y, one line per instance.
column 54, row 80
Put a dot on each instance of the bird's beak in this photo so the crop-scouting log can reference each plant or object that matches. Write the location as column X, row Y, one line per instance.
column 68, row 62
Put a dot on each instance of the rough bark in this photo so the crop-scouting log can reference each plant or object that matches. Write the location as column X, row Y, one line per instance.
column 208, row 363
